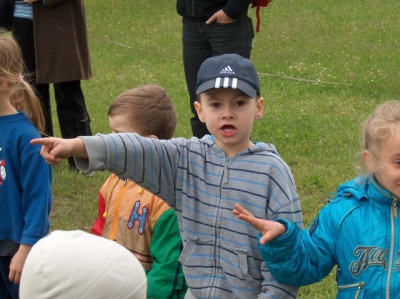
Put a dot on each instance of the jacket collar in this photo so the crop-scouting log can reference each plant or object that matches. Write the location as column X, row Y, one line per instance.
column 366, row 187
column 258, row 146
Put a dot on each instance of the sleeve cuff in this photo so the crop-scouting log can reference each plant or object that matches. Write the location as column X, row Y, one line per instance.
column 231, row 12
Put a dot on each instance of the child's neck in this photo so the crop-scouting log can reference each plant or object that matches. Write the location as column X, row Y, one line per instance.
column 5, row 106
column 232, row 151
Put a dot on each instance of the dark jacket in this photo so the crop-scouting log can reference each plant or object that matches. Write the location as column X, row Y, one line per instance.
column 61, row 43
column 203, row 9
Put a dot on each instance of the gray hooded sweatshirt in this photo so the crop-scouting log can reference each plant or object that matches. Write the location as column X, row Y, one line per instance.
column 220, row 257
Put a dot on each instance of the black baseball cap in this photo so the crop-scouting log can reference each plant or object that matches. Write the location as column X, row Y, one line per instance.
column 228, row 71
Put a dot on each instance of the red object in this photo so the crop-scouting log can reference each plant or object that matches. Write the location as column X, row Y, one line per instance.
column 100, row 222
column 258, row 4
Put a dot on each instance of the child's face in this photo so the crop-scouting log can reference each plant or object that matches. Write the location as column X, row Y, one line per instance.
column 121, row 123
column 387, row 167
column 229, row 115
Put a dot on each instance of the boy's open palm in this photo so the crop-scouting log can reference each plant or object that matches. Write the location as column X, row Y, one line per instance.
column 269, row 229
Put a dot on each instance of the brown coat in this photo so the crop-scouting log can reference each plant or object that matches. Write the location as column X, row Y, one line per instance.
column 61, row 44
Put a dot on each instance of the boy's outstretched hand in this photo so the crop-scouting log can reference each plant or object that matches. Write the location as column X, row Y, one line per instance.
column 268, row 228
column 55, row 149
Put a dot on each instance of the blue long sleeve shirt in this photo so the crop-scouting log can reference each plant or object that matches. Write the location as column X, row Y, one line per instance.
column 25, row 182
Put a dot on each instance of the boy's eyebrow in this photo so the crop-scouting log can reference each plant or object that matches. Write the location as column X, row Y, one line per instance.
column 209, row 98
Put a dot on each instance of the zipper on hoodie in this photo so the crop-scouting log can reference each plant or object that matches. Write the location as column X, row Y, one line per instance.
column 113, row 233
column 394, row 206
column 224, row 180
column 225, row 173
column 359, row 286
column 392, row 229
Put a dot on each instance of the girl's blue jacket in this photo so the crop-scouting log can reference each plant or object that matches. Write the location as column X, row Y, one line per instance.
column 359, row 231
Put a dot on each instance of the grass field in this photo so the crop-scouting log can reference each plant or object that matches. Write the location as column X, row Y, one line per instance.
column 323, row 65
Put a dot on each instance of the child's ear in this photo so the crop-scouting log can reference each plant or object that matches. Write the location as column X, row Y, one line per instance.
column 3, row 82
column 199, row 110
column 260, row 107
column 368, row 160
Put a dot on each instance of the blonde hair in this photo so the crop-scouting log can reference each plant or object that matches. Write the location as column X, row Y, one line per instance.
column 149, row 109
column 21, row 94
column 381, row 126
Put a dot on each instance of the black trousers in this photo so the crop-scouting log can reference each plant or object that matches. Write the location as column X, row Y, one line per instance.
column 8, row 289
column 73, row 116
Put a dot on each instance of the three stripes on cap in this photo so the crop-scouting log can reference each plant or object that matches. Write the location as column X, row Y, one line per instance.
column 226, row 82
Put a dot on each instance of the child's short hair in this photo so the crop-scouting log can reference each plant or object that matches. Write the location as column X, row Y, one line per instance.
column 149, row 109
column 381, row 126
column 228, row 71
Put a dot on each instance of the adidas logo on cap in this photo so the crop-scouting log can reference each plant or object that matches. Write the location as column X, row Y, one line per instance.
column 227, row 70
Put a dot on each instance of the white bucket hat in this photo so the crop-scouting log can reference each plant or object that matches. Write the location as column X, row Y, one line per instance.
column 76, row 264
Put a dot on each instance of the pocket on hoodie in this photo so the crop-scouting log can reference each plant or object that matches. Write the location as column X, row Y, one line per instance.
column 351, row 291
column 196, row 259
column 237, row 266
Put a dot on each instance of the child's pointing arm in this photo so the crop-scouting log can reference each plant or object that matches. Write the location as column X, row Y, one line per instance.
column 55, row 149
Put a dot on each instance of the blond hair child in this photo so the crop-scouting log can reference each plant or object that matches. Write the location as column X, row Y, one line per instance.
column 25, row 182
column 358, row 231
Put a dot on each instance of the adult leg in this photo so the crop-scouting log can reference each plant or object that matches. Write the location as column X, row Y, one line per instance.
column 234, row 37
column 71, row 110
column 44, row 97
column 22, row 31
column 196, row 49
column 8, row 289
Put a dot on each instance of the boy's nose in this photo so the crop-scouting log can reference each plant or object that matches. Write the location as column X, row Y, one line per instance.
column 228, row 113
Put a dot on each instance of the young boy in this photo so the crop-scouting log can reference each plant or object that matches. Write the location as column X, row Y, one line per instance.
column 131, row 215
column 204, row 178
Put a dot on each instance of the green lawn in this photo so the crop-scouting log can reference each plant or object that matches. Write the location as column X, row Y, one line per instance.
column 324, row 66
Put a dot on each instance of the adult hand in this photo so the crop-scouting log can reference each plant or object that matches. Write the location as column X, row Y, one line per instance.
column 220, row 17
column 55, row 149
column 30, row 1
column 268, row 228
